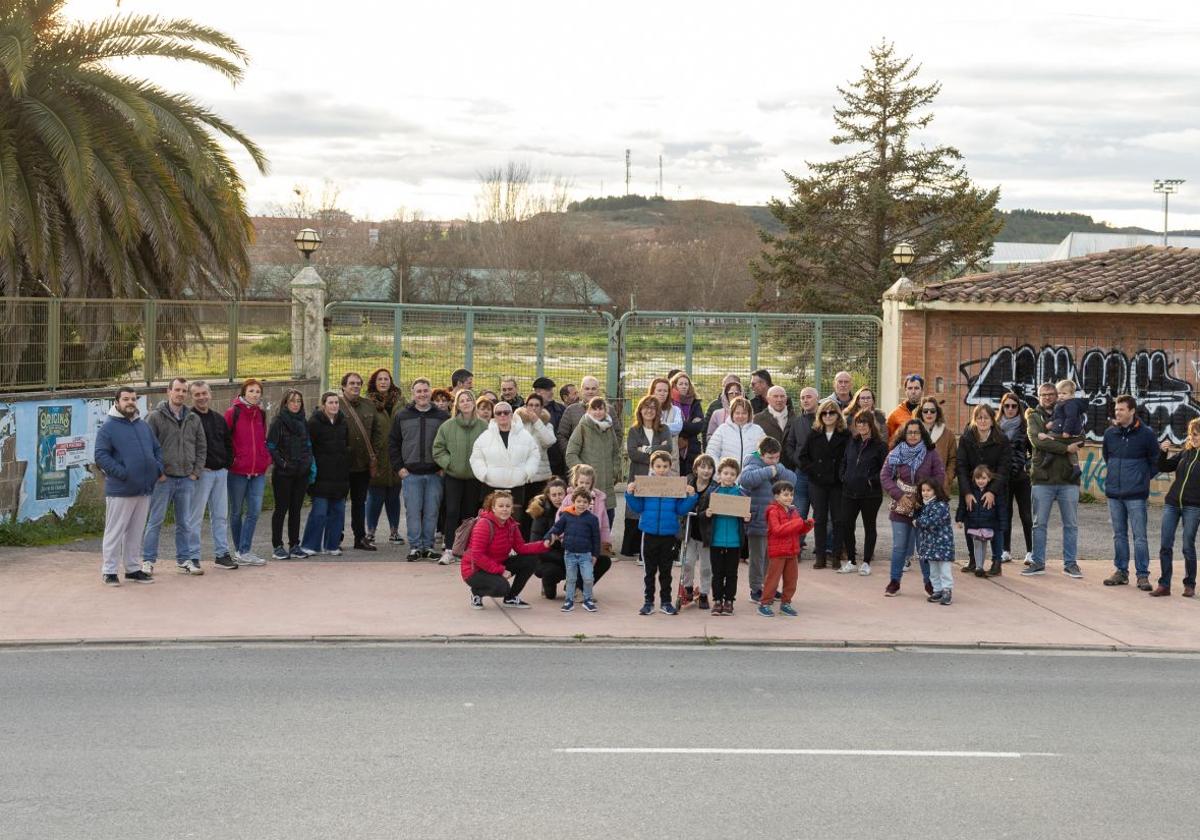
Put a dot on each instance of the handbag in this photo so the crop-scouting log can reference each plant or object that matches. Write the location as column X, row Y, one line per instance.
column 363, row 434
column 905, row 505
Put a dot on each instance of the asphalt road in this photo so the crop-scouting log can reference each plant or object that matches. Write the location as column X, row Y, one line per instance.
column 461, row 741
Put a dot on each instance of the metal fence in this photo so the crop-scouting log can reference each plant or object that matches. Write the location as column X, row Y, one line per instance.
column 56, row 343
column 425, row 340
column 432, row 341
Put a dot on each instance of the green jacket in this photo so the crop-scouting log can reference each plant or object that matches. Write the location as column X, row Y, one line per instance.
column 453, row 443
column 384, row 476
column 1055, row 469
column 599, row 449
column 374, row 424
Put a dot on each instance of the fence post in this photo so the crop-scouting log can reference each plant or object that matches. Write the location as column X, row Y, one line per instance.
column 616, row 349
column 234, row 321
column 469, row 339
column 541, row 346
column 53, row 343
column 753, row 344
column 150, row 340
column 688, row 338
column 818, row 352
column 397, row 341
column 310, row 347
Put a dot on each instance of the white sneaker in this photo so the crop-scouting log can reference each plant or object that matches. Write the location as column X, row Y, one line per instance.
column 864, row 569
column 1028, row 558
column 251, row 559
column 641, row 562
column 447, row 558
column 147, row 568
column 337, row 552
column 847, row 569
column 308, row 552
column 1006, row 557
column 236, row 555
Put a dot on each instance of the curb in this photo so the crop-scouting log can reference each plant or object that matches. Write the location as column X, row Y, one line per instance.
column 596, row 641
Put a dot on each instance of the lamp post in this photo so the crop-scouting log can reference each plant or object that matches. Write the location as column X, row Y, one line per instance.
column 903, row 255
column 1167, row 187
column 308, row 241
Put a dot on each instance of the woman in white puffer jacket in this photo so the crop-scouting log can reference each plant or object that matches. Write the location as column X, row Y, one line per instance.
column 505, row 457
column 738, row 436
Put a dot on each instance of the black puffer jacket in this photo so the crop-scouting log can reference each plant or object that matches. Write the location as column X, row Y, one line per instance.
column 1185, row 489
column 821, row 457
column 995, row 452
column 701, row 527
column 860, row 468
column 288, row 443
column 331, row 450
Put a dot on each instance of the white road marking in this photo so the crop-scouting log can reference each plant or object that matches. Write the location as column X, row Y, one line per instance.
column 754, row 751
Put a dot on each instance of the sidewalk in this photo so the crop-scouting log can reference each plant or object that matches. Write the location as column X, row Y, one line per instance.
column 57, row 595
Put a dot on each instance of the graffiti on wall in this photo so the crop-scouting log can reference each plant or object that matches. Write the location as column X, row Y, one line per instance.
column 1165, row 401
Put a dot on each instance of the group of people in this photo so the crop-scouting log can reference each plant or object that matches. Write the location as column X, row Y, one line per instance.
column 526, row 485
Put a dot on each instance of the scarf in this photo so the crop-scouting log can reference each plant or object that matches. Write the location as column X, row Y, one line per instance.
column 781, row 417
column 935, row 434
column 907, row 455
column 386, row 402
column 603, row 425
column 294, row 421
column 1011, row 427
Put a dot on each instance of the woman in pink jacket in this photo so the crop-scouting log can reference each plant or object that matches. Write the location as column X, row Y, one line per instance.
column 494, row 536
column 247, row 423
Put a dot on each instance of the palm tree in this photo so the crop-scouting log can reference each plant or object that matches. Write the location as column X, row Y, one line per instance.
column 111, row 186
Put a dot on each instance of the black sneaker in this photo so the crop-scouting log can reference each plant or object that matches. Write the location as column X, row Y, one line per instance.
column 515, row 603
column 476, row 602
column 1071, row 570
column 1033, row 569
column 111, row 580
column 413, row 556
column 139, row 577
column 225, row 562
column 430, row 554
column 364, row 545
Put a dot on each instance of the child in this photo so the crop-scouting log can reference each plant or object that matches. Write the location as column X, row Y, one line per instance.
column 981, row 522
column 760, row 470
column 725, row 539
column 696, row 550
column 935, row 538
column 785, row 527
column 659, row 524
column 1067, row 425
column 582, row 476
column 580, row 532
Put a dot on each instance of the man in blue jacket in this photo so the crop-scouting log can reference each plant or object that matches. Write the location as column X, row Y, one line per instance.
column 128, row 454
column 1131, row 455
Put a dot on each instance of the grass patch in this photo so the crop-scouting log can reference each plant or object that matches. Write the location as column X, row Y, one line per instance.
column 80, row 522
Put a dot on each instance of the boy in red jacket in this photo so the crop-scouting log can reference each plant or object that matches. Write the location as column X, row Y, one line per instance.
column 785, row 527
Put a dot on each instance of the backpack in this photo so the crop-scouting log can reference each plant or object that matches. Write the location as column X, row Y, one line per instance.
column 462, row 535
column 237, row 412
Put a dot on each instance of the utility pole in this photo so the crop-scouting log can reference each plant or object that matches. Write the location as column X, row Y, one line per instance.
column 1167, row 187
column 660, row 187
column 627, row 153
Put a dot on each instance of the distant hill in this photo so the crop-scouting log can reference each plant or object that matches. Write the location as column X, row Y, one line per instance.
column 1040, row 226
column 654, row 217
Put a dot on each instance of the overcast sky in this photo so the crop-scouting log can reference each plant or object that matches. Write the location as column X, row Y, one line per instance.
column 1065, row 105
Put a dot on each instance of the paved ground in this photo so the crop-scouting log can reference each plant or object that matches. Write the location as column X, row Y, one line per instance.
column 56, row 595
column 467, row 741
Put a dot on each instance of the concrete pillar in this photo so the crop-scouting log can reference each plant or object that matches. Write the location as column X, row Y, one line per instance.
column 890, row 390
column 308, row 324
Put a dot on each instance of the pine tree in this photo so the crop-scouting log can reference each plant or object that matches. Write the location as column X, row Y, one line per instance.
column 843, row 221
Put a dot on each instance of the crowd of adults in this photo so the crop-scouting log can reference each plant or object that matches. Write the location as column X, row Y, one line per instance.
column 516, row 463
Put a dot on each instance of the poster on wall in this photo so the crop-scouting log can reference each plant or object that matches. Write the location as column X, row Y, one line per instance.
column 54, row 421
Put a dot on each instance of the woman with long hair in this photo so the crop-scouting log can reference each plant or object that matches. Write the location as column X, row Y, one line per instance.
column 864, row 400
column 913, row 459
column 929, row 412
column 982, row 443
column 452, row 447
column 384, row 491
column 685, row 399
column 646, row 436
column 862, row 492
column 247, row 422
column 821, row 460
column 1018, row 490
column 291, row 452
column 1180, row 504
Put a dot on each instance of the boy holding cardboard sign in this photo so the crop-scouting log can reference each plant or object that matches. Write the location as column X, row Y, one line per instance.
column 726, row 535
column 659, row 522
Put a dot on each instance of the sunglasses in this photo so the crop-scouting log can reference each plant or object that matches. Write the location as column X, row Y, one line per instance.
column 502, row 413
column 1010, row 405
column 929, row 411
column 829, row 414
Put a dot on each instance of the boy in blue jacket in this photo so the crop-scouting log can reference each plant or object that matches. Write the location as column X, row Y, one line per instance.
column 759, row 473
column 659, row 524
column 580, row 532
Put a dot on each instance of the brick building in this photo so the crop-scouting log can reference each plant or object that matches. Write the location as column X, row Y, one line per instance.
column 1124, row 321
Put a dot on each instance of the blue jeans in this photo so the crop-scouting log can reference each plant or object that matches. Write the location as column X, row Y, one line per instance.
column 904, row 543
column 177, row 490
column 422, row 496
column 579, row 565
column 248, row 492
column 211, row 492
column 326, row 521
column 1127, row 514
column 1044, row 496
column 1166, row 547
column 380, row 499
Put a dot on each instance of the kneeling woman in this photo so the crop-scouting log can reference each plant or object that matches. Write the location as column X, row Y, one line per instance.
column 495, row 536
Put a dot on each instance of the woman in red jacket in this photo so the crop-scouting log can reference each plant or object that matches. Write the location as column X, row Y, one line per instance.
column 248, row 476
column 494, row 536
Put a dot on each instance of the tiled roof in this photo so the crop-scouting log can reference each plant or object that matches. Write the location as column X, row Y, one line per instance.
column 1150, row 274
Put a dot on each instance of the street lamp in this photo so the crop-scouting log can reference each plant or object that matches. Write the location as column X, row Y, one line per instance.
column 903, row 255
column 308, row 240
column 1168, row 187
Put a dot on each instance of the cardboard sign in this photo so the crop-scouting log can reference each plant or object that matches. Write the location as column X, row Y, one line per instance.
column 727, row 505
column 671, row 486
